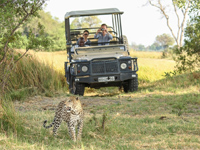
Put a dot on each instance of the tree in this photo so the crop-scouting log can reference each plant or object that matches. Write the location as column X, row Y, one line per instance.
column 155, row 46
column 86, row 22
column 164, row 40
column 54, row 30
column 141, row 47
column 181, row 10
column 189, row 55
column 14, row 13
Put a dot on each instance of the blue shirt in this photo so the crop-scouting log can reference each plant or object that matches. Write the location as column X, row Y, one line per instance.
column 105, row 38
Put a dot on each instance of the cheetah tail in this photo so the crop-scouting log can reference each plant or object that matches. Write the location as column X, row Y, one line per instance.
column 44, row 124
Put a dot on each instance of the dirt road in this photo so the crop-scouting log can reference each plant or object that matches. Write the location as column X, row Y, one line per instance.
column 41, row 103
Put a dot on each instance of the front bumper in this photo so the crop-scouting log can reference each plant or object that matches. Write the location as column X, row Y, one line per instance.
column 108, row 78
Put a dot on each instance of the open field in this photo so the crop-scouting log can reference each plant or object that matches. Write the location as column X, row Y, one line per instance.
column 162, row 114
column 151, row 67
column 145, row 54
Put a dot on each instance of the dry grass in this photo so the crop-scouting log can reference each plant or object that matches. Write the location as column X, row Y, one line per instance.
column 144, row 54
column 54, row 59
column 151, row 66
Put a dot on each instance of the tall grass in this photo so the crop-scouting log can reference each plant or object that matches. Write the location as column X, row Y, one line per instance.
column 9, row 119
column 34, row 77
column 30, row 77
column 53, row 59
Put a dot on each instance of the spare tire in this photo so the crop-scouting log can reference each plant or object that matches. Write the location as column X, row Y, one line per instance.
column 125, row 41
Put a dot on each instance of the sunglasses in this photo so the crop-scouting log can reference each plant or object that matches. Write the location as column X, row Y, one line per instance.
column 85, row 34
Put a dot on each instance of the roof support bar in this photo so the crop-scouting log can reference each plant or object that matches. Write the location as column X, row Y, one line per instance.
column 116, row 26
column 121, row 28
column 68, row 38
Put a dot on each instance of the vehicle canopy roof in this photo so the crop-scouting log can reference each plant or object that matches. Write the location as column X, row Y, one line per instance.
column 93, row 12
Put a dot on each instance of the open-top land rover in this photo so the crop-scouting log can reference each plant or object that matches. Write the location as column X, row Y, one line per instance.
column 97, row 66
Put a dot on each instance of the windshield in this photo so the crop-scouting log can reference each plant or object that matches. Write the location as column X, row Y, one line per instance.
column 89, row 53
column 99, row 49
column 78, row 25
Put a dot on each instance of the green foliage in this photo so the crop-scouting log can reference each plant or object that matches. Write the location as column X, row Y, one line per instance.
column 170, row 73
column 195, row 7
column 164, row 40
column 86, row 22
column 53, row 31
column 189, row 55
column 13, row 15
column 180, row 3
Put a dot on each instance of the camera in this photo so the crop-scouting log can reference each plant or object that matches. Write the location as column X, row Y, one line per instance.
column 102, row 29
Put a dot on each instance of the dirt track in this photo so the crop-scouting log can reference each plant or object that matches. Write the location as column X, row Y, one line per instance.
column 50, row 103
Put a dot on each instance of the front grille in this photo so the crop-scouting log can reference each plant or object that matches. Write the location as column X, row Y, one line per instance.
column 99, row 67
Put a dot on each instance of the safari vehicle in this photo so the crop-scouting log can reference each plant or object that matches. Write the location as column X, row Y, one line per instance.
column 98, row 66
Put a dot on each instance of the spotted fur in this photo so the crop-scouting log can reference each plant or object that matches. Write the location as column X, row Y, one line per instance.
column 71, row 112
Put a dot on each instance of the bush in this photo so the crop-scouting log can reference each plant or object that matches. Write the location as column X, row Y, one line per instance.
column 189, row 55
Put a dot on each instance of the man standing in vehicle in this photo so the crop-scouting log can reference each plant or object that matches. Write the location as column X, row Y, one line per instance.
column 103, row 35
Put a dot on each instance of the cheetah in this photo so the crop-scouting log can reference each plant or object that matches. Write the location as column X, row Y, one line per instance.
column 71, row 112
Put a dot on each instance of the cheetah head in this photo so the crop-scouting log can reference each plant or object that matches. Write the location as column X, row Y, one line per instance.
column 73, row 104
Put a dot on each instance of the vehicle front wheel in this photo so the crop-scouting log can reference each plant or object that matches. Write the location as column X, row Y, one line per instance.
column 131, row 85
column 77, row 88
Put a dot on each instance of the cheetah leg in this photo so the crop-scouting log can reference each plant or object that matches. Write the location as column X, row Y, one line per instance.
column 80, row 128
column 56, row 126
column 72, row 131
column 69, row 130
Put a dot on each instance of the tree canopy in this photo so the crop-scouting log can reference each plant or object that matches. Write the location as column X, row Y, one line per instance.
column 189, row 55
column 165, row 40
column 53, row 29
column 86, row 22
column 181, row 9
column 14, row 13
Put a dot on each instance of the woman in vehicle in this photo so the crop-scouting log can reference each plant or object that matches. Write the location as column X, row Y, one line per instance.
column 85, row 37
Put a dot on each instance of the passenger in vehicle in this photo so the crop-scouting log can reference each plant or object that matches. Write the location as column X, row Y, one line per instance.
column 103, row 35
column 85, row 37
column 81, row 42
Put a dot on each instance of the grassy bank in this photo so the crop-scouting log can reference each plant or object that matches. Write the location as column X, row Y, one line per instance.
column 32, row 77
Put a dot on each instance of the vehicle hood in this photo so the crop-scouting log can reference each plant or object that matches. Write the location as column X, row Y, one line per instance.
column 100, row 52
column 93, row 56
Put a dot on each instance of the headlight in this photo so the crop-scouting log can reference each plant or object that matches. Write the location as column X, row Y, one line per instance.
column 123, row 65
column 84, row 68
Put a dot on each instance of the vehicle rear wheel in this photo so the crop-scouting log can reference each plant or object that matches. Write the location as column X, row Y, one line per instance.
column 131, row 85
column 77, row 88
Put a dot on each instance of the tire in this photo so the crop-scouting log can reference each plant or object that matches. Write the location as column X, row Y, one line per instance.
column 77, row 88
column 131, row 85
column 125, row 86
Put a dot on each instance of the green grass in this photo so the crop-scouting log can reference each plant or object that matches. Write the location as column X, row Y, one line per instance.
column 132, row 123
column 162, row 114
